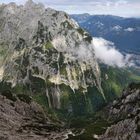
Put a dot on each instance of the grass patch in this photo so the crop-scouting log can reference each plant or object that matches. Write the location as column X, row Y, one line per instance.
column 91, row 127
column 48, row 45
column 41, row 99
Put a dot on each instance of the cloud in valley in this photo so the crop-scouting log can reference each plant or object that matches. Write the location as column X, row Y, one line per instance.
column 106, row 52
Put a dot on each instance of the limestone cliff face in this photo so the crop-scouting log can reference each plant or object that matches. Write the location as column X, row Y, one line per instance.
column 47, row 52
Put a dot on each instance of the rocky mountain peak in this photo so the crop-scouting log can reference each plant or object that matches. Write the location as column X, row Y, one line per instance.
column 30, row 5
column 48, row 53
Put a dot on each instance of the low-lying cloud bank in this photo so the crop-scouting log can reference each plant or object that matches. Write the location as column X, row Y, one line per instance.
column 106, row 52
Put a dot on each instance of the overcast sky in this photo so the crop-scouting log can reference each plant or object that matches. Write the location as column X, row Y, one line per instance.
column 126, row 8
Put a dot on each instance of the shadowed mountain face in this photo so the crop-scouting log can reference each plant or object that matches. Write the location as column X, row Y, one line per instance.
column 124, row 32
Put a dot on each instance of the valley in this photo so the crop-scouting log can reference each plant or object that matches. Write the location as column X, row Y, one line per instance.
column 123, row 32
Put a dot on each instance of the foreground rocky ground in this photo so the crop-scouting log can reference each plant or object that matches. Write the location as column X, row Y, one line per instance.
column 23, row 119
column 124, row 114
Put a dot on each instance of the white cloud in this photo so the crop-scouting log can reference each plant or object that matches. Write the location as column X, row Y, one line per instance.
column 121, row 2
column 81, row 52
column 105, row 52
column 129, row 29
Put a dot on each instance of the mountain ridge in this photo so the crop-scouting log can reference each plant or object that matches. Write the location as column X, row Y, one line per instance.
column 47, row 53
column 113, row 28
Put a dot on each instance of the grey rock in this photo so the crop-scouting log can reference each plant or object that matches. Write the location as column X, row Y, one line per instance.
column 124, row 115
column 22, row 121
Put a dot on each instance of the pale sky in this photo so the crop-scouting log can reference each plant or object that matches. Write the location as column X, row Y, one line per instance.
column 125, row 8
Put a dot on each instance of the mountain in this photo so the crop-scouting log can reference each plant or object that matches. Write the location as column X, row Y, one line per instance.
column 120, row 119
column 22, row 118
column 47, row 55
column 49, row 72
column 123, row 32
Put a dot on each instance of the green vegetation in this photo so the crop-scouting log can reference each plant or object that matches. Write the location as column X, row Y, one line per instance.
column 5, row 86
column 49, row 45
column 90, row 126
column 114, row 80
column 134, row 77
column 35, row 70
column 63, row 70
column 81, row 104
column 81, row 31
column 25, row 98
column 65, row 96
column 41, row 99
column 117, row 80
column 64, row 100
column 95, row 98
column 19, row 88
column 8, row 94
column 3, row 51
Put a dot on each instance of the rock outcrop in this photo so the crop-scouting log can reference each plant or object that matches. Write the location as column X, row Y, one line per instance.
column 124, row 114
column 23, row 119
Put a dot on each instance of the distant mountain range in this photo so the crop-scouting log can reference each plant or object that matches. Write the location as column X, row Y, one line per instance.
column 124, row 32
